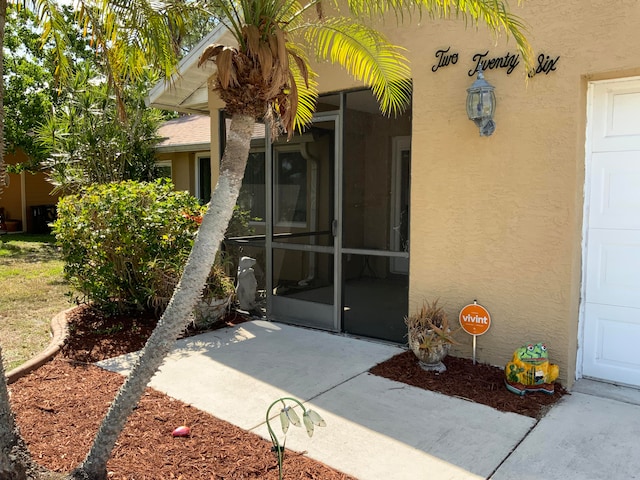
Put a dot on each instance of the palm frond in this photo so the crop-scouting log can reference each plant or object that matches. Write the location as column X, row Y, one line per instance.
column 265, row 59
column 368, row 56
column 53, row 24
column 306, row 86
column 493, row 13
column 226, row 69
column 210, row 53
column 131, row 36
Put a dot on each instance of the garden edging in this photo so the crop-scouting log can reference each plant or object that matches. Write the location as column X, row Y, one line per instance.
column 59, row 333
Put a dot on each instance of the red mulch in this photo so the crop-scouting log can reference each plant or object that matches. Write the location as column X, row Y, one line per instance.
column 60, row 406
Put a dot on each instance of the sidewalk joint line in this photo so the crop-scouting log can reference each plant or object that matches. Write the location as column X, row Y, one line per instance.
column 515, row 447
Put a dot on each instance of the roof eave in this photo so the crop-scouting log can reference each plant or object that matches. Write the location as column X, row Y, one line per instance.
column 192, row 147
column 175, row 94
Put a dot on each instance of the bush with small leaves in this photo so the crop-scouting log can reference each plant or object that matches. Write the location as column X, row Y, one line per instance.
column 123, row 243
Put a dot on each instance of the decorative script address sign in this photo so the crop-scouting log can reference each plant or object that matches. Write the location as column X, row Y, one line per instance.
column 544, row 63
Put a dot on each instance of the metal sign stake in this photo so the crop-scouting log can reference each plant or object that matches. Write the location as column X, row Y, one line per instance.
column 474, row 349
column 475, row 320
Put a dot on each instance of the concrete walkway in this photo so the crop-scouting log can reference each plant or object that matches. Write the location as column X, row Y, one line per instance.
column 378, row 429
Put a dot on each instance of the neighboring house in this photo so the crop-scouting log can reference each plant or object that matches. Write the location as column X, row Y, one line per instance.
column 27, row 203
column 362, row 217
column 184, row 154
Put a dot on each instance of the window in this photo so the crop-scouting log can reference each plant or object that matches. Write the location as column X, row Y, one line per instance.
column 203, row 179
column 163, row 169
column 290, row 189
column 252, row 193
column 290, row 195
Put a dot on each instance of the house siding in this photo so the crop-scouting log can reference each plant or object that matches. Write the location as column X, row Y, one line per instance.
column 182, row 169
column 37, row 191
column 499, row 219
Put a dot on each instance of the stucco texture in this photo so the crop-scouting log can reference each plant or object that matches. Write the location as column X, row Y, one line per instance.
column 499, row 218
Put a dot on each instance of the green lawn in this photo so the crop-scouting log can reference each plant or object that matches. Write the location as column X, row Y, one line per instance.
column 32, row 292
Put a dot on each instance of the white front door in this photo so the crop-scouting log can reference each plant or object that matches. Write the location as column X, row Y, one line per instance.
column 611, row 336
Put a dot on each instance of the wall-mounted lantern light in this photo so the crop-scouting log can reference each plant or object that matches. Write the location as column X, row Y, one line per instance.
column 481, row 104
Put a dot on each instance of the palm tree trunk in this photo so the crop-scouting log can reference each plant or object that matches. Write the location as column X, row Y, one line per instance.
column 187, row 293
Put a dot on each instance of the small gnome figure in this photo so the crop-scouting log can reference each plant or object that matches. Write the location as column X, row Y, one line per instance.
column 530, row 371
column 247, row 284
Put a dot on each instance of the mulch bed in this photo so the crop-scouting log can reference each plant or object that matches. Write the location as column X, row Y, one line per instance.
column 478, row 383
column 60, row 406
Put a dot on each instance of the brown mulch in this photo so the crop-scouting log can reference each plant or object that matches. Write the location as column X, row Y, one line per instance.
column 478, row 383
column 59, row 407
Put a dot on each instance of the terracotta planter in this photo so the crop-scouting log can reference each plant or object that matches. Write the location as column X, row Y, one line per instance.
column 431, row 358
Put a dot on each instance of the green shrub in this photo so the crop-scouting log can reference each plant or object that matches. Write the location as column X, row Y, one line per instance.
column 125, row 244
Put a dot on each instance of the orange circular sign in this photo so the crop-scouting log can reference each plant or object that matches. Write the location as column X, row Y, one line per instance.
column 475, row 319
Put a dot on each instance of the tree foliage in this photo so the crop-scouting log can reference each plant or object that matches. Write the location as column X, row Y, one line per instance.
column 29, row 92
column 121, row 241
column 87, row 141
column 47, row 47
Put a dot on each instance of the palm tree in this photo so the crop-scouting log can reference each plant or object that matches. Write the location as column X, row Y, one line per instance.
column 265, row 75
column 129, row 35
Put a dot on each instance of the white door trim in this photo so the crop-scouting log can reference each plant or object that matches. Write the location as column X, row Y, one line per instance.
column 589, row 147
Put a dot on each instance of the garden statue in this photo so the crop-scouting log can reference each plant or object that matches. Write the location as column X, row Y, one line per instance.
column 247, row 284
column 530, row 371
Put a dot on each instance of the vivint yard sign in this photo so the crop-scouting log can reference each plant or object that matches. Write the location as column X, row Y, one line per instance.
column 475, row 320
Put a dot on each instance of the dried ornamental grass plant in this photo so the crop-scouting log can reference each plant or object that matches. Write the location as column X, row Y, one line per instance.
column 430, row 335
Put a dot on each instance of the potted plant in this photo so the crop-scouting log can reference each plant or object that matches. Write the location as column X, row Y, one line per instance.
column 430, row 336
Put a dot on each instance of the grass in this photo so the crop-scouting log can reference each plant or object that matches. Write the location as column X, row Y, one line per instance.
column 32, row 292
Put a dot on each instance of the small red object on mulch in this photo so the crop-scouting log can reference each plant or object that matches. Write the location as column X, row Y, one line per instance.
column 181, row 431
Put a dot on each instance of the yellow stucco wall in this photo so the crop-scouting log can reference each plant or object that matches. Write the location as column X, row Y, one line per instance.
column 11, row 198
column 499, row 219
column 182, row 169
column 32, row 189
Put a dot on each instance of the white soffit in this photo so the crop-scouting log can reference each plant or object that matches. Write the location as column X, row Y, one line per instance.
column 187, row 91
